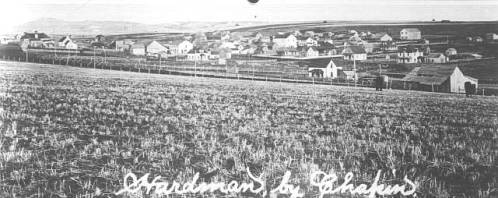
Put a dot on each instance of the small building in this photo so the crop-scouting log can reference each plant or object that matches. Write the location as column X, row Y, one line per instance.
column 137, row 49
column 438, row 78
column 386, row 38
column 307, row 41
column 354, row 53
column 321, row 68
column 153, row 47
column 347, row 75
column 381, row 36
column 478, row 39
column 67, row 43
column 184, row 47
column 450, row 51
column 179, row 47
column 410, row 34
column 308, row 51
column 491, row 36
column 122, row 45
column 199, row 56
column 388, row 46
column 436, row 58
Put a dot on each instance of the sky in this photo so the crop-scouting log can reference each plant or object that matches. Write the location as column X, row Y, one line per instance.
column 166, row 11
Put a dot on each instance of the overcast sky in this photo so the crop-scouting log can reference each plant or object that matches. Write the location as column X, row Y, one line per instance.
column 16, row 12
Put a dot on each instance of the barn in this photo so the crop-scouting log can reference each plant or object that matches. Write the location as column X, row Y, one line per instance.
column 437, row 78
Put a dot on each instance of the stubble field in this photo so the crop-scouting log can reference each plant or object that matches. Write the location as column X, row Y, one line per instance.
column 73, row 132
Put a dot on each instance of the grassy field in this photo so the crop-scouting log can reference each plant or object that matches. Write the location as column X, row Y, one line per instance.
column 75, row 132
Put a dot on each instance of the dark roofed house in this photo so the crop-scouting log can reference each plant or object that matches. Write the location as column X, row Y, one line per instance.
column 36, row 40
column 438, row 78
column 34, row 36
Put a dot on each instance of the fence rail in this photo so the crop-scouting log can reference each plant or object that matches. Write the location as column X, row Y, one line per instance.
column 240, row 72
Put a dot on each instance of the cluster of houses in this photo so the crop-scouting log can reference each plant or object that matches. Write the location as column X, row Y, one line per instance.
column 488, row 37
column 318, row 50
column 410, row 47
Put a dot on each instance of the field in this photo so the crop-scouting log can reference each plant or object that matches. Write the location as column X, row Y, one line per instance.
column 75, row 132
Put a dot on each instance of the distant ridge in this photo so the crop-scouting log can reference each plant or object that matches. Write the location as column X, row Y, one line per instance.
column 57, row 26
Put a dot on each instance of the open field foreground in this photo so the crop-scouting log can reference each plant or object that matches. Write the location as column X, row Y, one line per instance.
column 75, row 132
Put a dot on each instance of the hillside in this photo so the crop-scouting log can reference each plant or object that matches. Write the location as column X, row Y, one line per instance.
column 56, row 26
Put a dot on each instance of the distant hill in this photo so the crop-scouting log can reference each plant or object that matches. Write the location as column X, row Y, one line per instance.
column 56, row 26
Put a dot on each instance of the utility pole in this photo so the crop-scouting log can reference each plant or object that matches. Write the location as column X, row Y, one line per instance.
column 105, row 55
column 354, row 69
column 93, row 57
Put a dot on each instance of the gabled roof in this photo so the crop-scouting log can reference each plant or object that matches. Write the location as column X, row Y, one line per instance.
column 354, row 50
column 316, row 63
column 64, row 38
column 430, row 74
column 138, row 45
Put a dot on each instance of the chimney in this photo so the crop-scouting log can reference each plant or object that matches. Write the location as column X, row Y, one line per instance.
column 36, row 34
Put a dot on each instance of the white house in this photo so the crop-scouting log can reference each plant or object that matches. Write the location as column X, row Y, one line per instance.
column 386, row 38
column 409, row 55
column 67, row 42
column 354, row 53
column 322, row 68
column 309, row 41
column 451, row 51
column 285, row 41
column 309, row 51
column 184, row 47
column 410, row 34
column 137, row 49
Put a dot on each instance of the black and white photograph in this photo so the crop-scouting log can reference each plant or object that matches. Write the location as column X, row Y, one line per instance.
column 249, row 99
